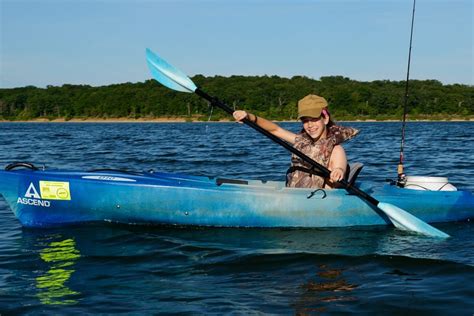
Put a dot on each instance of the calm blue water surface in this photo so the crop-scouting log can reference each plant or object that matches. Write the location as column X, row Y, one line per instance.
column 108, row 269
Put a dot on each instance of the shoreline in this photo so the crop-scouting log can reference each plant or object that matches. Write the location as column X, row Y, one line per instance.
column 113, row 120
column 186, row 120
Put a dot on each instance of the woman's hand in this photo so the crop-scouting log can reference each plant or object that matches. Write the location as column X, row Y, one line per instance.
column 240, row 115
column 337, row 174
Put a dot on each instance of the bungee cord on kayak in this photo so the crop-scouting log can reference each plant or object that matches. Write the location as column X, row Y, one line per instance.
column 324, row 194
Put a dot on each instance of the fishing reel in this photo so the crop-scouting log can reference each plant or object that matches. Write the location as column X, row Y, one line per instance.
column 402, row 178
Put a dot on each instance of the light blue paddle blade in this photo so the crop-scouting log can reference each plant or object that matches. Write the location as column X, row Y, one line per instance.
column 405, row 221
column 168, row 75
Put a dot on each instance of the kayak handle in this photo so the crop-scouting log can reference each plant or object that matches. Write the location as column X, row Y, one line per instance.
column 16, row 165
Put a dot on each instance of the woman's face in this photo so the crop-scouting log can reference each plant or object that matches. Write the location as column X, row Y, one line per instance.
column 315, row 127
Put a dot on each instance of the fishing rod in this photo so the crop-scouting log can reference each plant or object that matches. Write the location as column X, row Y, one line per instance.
column 401, row 174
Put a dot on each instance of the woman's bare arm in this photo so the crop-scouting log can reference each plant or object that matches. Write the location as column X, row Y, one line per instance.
column 267, row 125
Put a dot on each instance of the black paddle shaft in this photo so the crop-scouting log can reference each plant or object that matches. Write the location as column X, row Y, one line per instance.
column 323, row 170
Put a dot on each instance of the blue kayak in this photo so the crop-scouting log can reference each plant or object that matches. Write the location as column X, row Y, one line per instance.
column 45, row 198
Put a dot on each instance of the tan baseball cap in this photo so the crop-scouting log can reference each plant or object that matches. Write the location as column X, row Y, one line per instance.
column 311, row 106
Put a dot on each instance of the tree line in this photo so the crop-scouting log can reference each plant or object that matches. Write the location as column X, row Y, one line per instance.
column 269, row 96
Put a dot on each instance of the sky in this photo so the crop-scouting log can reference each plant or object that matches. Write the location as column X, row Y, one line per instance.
column 102, row 42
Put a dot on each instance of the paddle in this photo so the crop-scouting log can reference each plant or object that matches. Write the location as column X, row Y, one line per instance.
column 174, row 79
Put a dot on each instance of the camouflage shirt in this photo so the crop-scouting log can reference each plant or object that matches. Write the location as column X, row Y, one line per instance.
column 320, row 151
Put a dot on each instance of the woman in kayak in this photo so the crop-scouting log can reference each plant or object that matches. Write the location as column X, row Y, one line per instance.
column 319, row 139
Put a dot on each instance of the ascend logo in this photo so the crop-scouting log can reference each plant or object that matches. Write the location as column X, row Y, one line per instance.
column 31, row 192
column 33, row 198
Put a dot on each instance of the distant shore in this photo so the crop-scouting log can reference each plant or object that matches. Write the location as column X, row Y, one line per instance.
column 194, row 120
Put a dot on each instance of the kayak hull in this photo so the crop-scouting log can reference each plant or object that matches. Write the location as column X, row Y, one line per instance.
column 52, row 198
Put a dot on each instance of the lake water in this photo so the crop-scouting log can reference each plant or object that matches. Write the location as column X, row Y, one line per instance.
column 109, row 269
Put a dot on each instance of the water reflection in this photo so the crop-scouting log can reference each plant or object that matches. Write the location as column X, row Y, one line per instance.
column 328, row 287
column 52, row 288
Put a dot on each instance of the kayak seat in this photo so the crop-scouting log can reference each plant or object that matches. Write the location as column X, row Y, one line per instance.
column 353, row 170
